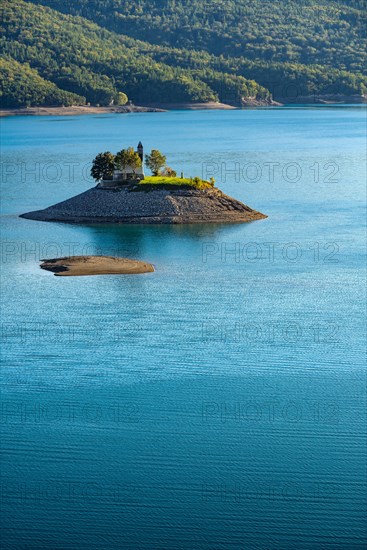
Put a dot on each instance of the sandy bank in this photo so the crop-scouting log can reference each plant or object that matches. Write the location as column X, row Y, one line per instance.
column 162, row 107
column 151, row 108
column 212, row 105
column 76, row 266
column 77, row 110
column 84, row 110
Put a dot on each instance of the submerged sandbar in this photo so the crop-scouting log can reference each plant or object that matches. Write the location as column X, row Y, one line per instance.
column 75, row 266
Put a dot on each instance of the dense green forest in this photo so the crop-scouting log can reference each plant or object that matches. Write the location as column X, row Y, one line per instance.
column 58, row 55
column 22, row 85
column 80, row 57
column 321, row 32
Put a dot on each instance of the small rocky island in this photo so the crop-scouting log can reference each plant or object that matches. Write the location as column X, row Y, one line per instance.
column 125, row 195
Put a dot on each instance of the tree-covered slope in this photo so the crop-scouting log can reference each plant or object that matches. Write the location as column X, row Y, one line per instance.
column 22, row 86
column 323, row 32
column 285, row 81
column 80, row 57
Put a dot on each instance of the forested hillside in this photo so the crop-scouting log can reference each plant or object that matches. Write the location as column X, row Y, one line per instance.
column 80, row 57
column 321, row 32
column 22, row 85
column 225, row 50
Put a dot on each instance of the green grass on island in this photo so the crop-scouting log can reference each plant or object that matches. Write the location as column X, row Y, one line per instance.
column 152, row 182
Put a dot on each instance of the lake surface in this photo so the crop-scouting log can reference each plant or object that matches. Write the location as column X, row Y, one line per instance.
column 219, row 403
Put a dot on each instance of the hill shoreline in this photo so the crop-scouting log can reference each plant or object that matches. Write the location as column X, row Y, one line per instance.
column 164, row 107
column 91, row 110
column 77, row 110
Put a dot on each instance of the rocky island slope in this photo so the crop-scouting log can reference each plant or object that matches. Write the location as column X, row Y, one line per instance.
column 140, row 205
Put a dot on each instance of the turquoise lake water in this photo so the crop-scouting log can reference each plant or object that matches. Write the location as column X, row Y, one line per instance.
column 219, row 403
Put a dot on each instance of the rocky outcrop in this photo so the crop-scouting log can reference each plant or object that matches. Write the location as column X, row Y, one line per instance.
column 154, row 206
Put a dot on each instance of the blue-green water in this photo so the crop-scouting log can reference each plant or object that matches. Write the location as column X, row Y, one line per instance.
column 219, row 403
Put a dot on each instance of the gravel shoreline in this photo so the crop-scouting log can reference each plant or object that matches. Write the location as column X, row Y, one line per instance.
column 158, row 206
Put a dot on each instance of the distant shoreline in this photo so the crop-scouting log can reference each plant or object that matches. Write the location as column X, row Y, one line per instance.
column 211, row 105
column 163, row 107
column 91, row 110
column 328, row 99
column 76, row 110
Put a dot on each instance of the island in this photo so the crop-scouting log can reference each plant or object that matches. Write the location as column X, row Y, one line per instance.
column 76, row 266
column 125, row 195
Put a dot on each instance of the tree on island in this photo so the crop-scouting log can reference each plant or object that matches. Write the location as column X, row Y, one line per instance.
column 103, row 166
column 127, row 158
column 155, row 161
